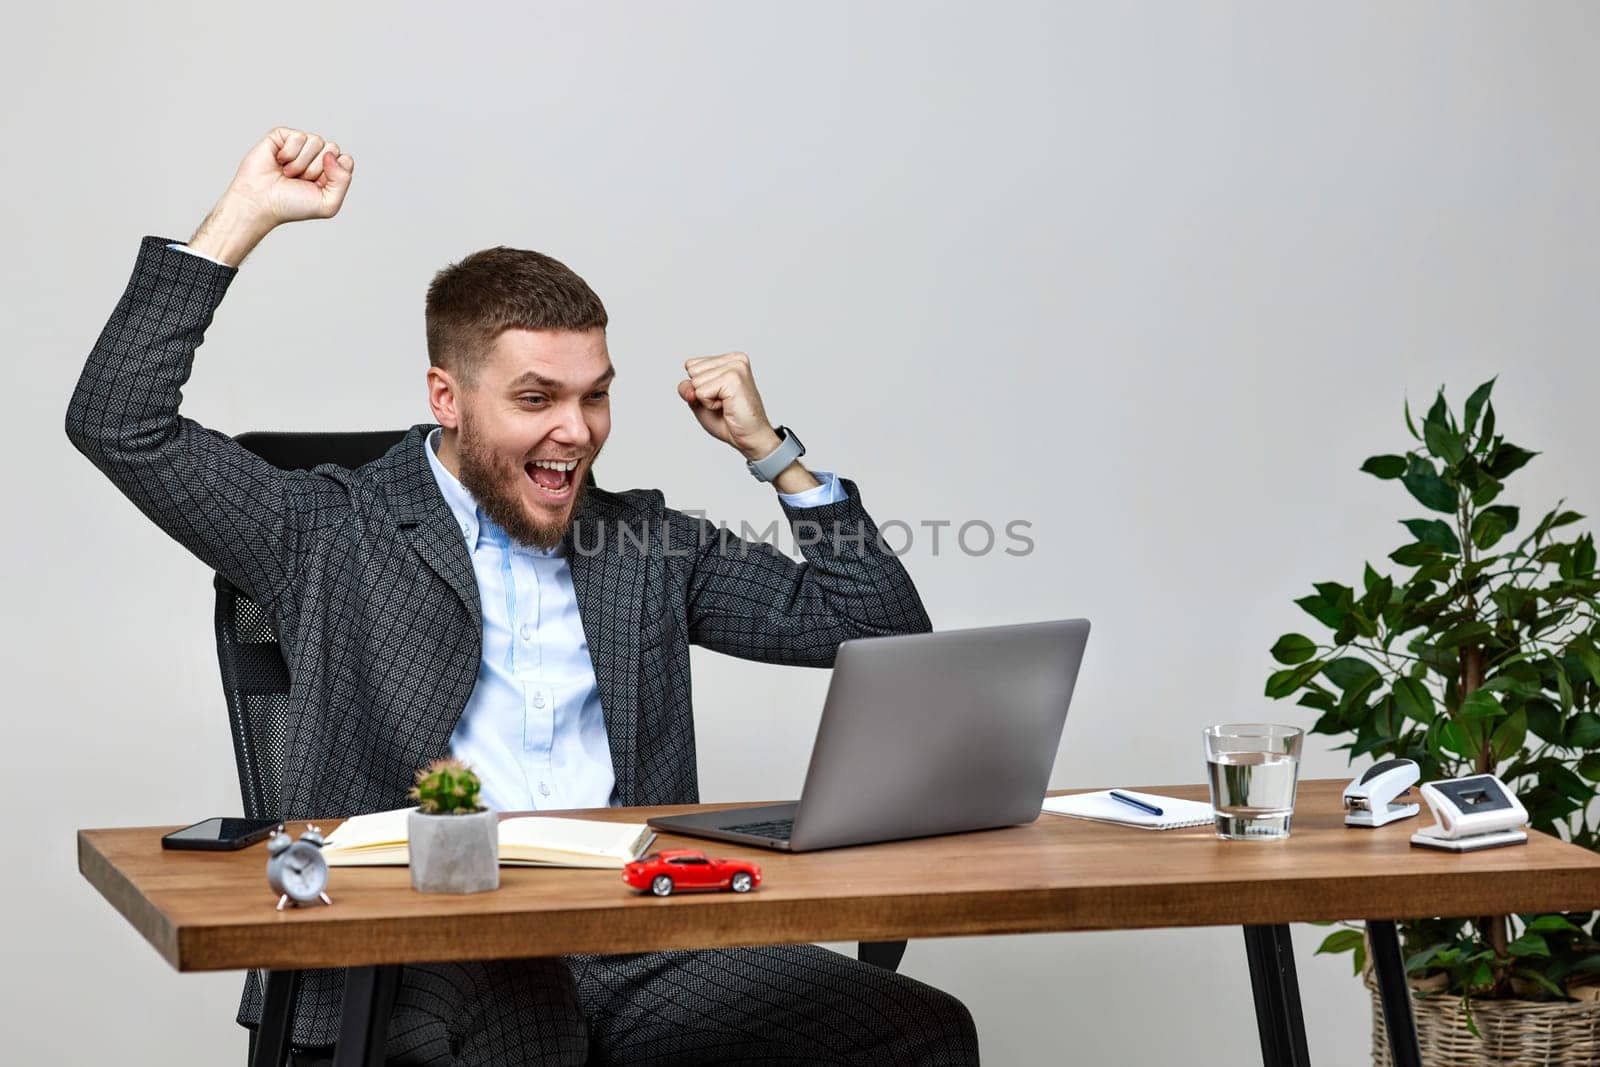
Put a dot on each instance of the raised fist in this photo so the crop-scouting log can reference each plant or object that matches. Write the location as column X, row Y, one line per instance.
column 722, row 393
column 291, row 175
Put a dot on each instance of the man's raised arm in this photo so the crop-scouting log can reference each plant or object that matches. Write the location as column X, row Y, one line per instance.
column 218, row 500
column 750, row 600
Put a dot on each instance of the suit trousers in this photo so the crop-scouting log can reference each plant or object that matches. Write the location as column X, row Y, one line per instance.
column 787, row 1005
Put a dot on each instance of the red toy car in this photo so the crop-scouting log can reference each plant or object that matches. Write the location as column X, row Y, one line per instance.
column 672, row 869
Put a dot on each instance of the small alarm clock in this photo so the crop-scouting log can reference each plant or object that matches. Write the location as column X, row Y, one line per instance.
column 297, row 870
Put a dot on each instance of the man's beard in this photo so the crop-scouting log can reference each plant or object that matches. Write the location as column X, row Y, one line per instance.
column 496, row 484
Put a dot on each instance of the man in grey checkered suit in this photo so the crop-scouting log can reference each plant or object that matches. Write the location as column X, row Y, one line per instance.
column 474, row 593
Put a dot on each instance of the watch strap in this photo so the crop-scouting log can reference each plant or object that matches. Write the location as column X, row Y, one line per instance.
column 773, row 464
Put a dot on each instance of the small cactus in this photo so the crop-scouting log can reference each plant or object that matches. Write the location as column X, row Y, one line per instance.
column 446, row 787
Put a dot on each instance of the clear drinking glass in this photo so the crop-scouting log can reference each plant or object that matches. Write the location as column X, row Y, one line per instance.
column 1253, row 769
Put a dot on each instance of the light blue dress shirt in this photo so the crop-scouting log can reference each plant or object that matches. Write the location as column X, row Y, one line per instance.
column 533, row 728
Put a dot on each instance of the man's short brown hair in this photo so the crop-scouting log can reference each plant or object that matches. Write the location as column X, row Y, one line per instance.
column 471, row 302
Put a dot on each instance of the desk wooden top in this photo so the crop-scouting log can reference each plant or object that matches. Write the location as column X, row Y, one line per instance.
column 213, row 910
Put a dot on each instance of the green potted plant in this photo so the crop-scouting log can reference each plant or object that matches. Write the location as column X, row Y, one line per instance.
column 1479, row 653
column 453, row 840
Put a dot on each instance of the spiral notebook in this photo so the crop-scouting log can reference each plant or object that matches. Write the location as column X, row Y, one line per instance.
column 1102, row 807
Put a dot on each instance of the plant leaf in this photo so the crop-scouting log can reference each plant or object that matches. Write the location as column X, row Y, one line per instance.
column 1415, row 555
column 1493, row 523
column 1584, row 649
column 1281, row 683
column 1385, row 467
column 1583, row 730
column 1293, row 648
column 1436, row 533
column 1507, row 458
column 1329, row 615
column 1439, row 412
column 1444, row 442
column 1349, row 672
column 1509, row 736
column 1419, row 960
column 1317, row 697
column 1377, row 597
column 1583, row 558
column 1529, row 944
column 1564, row 689
column 1481, row 705
column 1544, row 721
column 1466, row 1009
column 1335, row 593
column 1475, row 402
column 1422, row 481
column 1486, row 432
column 1541, row 981
column 1413, row 700
column 1452, row 740
column 1339, row 941
column 1463, row 634
column 1369, row 577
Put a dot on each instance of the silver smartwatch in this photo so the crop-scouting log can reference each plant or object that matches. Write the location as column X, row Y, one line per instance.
column 770, row 466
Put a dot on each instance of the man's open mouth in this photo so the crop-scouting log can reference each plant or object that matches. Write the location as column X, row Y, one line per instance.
column 553, row 478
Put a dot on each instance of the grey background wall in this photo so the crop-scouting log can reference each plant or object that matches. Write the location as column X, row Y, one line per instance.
column 1153, row 278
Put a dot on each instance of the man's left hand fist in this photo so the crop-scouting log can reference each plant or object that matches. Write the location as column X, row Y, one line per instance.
column 722, row 394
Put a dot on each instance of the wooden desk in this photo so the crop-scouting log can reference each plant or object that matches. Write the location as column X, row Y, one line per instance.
column 213, row 911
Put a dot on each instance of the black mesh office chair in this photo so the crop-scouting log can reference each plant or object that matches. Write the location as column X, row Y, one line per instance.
column 255, row 677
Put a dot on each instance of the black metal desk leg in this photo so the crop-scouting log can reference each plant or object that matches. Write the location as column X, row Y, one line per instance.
column 1277, row 994
column 1395, row 995
column 364, row 1020
column 271, row 1044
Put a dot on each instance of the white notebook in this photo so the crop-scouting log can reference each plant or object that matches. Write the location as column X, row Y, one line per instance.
column 1103, row 807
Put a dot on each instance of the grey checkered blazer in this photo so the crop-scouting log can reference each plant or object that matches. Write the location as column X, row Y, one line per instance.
column 370, row 585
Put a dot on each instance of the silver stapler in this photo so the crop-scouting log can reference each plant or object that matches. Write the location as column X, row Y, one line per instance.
column 1371, row 799
column 1472, row 813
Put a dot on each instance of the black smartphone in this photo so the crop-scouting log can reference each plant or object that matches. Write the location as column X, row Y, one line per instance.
column 220, row 835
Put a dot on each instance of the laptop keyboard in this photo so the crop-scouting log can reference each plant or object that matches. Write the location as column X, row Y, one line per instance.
column 778, row 829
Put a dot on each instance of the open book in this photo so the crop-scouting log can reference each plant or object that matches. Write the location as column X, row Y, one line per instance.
column 379, row 840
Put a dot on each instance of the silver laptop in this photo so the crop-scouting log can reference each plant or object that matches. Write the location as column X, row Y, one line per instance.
column 922, row 734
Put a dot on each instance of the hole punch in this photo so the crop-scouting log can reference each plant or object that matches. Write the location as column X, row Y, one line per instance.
column 1472, row 813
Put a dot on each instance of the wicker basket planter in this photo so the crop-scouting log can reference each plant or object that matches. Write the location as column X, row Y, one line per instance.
column 1516, row 1033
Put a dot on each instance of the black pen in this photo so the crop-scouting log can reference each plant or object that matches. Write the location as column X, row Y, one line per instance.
column 1142, row 805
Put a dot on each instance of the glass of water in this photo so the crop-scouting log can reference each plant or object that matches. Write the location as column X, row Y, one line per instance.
column 1253, row 769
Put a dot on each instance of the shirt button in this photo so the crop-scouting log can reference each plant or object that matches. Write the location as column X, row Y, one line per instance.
column 544, row 789
column 538, row 700
column 527, row 632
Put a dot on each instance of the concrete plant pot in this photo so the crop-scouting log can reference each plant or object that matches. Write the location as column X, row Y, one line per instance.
column 454, row 853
